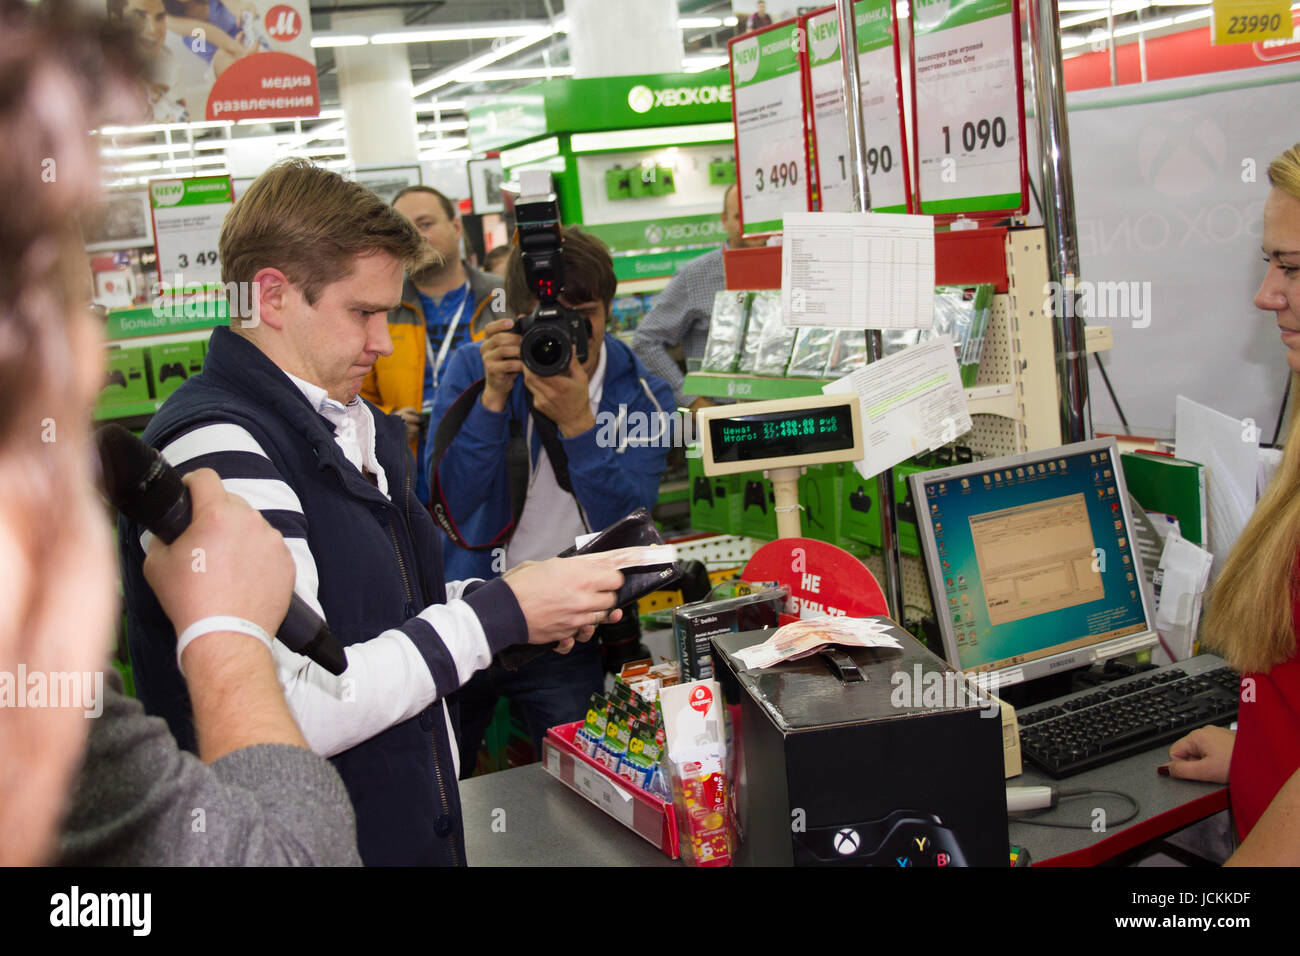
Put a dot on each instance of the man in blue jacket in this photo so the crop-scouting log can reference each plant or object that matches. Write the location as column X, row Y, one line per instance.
column 610, row 419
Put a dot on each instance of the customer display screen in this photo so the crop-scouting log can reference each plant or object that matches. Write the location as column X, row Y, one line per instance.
column 1036, row 559
column 781, row 434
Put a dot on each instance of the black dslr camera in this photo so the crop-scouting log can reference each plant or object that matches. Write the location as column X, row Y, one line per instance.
column 552, row 333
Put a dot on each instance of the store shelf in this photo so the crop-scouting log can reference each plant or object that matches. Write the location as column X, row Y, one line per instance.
column 128, row 410
column 754, row 387
column 993, row 400
column 674, row 491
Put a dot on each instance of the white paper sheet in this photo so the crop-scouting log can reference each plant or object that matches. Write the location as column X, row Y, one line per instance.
column 1184, row 576
column 911, row 402
column 865, row 270
column 1229, row 450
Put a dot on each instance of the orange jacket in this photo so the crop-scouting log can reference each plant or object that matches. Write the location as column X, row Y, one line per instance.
column 397, row 380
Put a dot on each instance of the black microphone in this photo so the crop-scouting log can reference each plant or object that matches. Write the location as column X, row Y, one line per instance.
column 141, row 485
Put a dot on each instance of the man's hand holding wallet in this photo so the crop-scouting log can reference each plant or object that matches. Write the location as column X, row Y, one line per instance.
column 566, row 598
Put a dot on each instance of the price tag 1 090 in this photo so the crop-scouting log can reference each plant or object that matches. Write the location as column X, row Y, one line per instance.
column 187, row 216
column 1250, row 21
column 881, row 110
column 771, row 142
column 968, row 106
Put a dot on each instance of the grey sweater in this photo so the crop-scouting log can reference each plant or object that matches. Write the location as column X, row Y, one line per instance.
column 141, row 800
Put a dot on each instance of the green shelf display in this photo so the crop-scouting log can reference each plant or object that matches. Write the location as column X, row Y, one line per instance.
column 758, row 388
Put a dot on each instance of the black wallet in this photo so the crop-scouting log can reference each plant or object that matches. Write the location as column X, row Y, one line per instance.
column 636, row 530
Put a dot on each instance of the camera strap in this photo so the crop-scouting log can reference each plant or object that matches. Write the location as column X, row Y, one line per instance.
column 518, row 465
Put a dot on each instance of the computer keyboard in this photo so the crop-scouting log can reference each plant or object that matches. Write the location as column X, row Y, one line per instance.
column 1097, row 727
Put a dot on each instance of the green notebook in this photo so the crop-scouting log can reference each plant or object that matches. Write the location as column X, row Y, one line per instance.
column 1172, row 486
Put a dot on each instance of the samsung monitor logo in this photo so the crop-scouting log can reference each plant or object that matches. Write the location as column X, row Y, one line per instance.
column 1068, row 662
column 642, row 99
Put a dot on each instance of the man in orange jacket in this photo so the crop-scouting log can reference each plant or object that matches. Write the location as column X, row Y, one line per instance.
column 442, row 307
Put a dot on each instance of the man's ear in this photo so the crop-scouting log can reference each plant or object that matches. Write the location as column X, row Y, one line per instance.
column 272, row 293
column 458, row 227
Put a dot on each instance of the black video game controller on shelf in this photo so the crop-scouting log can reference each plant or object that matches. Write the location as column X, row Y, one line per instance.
column 860, row 501
column 115, row 377
column 701, row 490
column 171, row 370
column 906, row 509
column 904, row 838
column 754, row 495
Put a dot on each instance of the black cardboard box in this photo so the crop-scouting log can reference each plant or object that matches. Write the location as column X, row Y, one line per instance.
column 902, row 768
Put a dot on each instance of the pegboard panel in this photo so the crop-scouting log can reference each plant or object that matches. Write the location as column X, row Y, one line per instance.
column 718, row 551
column 992, row 436
column 996, row 354
column 1032, row 341
column 916, row 589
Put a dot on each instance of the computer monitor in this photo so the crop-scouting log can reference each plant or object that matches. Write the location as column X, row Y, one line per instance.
column 1032, row 564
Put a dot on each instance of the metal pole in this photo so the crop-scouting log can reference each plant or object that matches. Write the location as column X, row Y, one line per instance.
column 1110, row 41
column 1058, row 212
column 1142, row 45
column 857, row 165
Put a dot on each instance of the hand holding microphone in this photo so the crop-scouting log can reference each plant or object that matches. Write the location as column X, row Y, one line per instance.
column 228, row 562
column 148, row 491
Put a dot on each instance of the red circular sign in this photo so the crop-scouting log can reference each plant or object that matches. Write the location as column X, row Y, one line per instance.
column 283, row 23
column 701, row 700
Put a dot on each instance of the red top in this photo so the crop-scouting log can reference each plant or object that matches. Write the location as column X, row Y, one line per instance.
column 1267, row 750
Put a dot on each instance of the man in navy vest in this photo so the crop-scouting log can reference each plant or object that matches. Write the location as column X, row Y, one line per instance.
column 276, row 412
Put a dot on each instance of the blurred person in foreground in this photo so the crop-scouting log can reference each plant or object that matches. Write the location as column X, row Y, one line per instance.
column 1254, row 608
column 269, row 800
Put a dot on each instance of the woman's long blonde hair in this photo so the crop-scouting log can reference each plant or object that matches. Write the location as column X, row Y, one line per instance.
column 1250, row 621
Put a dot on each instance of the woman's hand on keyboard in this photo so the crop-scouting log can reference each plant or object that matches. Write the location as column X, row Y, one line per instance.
column 1204, row 754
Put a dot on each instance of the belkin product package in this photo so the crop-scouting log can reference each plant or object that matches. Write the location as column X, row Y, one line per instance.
column 695, row 624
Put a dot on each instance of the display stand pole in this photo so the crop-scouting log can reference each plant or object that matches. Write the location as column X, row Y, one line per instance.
column 785, row 489
column 893, row 583
column 1058, row 212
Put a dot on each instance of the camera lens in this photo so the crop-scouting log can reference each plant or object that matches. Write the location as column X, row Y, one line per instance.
column 546, row 350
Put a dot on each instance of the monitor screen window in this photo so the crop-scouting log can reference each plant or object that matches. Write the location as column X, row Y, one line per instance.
column 1034, row 556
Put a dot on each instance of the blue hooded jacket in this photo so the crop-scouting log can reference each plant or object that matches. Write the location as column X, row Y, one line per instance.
column 614, row 468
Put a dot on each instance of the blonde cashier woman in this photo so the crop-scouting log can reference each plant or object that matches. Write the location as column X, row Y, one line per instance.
column 1254, row 611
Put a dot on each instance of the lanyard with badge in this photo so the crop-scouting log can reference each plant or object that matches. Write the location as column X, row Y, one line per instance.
column 435, row 363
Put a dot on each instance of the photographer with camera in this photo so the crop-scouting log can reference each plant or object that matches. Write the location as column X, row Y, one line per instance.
column 592, row 423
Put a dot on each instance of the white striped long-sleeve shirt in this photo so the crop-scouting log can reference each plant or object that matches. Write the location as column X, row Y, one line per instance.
column 387, row 680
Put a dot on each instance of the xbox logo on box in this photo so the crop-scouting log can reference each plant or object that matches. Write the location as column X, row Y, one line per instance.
column 847, row 841
column 640, row 99
column 653, row 234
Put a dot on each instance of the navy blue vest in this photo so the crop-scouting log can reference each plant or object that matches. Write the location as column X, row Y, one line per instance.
column 379, row 564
